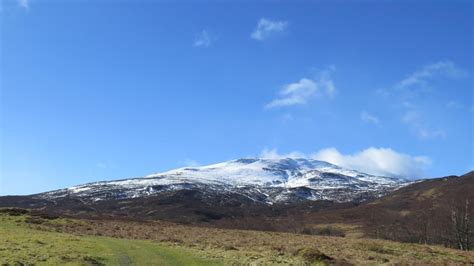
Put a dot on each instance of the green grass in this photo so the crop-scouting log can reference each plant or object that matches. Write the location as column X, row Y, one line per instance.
column 22, row 244
column 27, row 239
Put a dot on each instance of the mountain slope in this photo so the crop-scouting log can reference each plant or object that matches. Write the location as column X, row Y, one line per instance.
column 431, row 211
column 262, row 180
column 419, row 212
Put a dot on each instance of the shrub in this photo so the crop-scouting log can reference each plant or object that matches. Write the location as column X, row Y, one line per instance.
column 96, row 261
column 14, row 211
column 323, row 231
column 313, row 255
column 34, row 220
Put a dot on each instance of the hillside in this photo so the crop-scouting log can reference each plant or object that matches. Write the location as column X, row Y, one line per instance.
column 49, row 240
column 421, row 212
column 430, row 211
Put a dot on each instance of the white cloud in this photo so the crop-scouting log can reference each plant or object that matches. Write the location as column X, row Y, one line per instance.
column 414, row 119
column 421, row 77
column 369, row 118
column 273, row 154
column 376, row 161
column 295, row 93
column 304, row 90
column 267, row 27
column 379, row 161
column 203, row 39
column 326, row 83
column 24, row 4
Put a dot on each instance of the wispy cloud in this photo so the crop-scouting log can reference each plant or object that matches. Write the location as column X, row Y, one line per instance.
column 203, row 39
column 377, row 161
column 455, row 105
column 24, row 4
column 295, row 93
column 304, row 90
column 416, row 122
column 408, row 95
column 421, row 77
column 369, row 118
column 266, row 27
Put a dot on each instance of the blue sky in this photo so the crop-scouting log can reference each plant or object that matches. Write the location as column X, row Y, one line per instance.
column 100, row 90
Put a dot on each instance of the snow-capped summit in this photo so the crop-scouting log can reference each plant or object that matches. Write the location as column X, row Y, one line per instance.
column 268, row 180
column 285, row 172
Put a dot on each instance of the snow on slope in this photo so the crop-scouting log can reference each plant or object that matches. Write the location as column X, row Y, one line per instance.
column 282, row 177
column 265, row 172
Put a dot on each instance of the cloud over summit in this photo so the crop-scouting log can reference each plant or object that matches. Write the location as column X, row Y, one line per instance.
column 376, row 161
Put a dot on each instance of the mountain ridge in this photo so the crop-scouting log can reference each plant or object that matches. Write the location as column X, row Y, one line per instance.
column 259, row 179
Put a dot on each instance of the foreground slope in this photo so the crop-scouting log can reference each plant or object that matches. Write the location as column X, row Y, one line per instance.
column 47, row 240
column 21, row 243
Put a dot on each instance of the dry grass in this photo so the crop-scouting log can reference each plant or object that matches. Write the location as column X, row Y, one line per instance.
column 267, row 247
column 346, row 230
column 22, row 244
column 430, row 193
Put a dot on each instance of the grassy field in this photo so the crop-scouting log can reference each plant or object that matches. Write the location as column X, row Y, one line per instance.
column 21, row 245
column 44, row 241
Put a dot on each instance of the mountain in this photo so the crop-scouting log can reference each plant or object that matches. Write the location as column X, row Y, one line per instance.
column 219, row 196
column 266, row 181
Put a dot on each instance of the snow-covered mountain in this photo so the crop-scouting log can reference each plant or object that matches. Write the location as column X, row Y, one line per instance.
column 263, row 180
